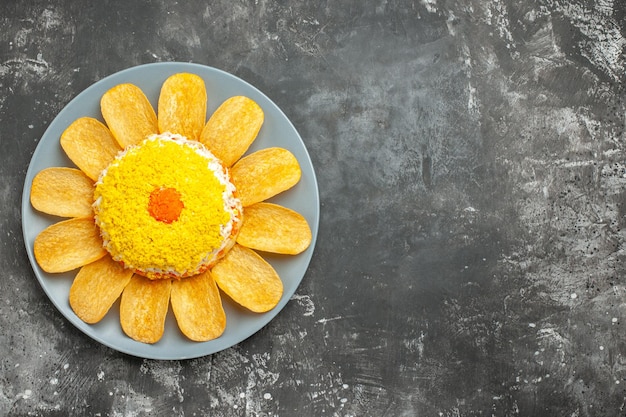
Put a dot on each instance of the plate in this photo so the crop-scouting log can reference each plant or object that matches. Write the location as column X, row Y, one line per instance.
column 277, row 130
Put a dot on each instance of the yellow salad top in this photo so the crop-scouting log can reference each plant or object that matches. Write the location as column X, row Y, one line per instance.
column 165, row 205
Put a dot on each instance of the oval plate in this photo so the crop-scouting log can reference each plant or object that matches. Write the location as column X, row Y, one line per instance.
column 277, row 130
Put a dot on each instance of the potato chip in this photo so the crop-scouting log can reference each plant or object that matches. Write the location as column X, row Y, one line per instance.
column 272, row 228
column 96, row 287
column 65, row 192
column 143, row 308
column 265, row 173
column 56, row 248
column 129, row 114
column 90, row 145
column 182, row 105
column 232, row 128
column 197, row 306
column 248, row 279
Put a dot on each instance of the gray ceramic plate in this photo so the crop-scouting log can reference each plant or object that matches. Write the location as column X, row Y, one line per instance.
column 277, row 130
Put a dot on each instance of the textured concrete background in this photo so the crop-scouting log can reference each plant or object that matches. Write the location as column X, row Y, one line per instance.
column 471, row 161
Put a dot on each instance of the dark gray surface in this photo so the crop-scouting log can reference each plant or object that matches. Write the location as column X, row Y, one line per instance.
column 471, row 161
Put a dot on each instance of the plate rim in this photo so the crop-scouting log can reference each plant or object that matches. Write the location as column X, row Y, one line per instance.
column 138, row 349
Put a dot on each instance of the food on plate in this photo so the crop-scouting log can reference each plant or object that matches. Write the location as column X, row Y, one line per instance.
column 64, row 192
column 248, row 279
column 90, row 145
column 265, row 173
column 232, row 128
column 155, row 209
column 96, row 287
column 189, row 216
column 128, row 114
column 197, row 307
column 182, row 105
column 68, row 244
column 272, row 228
column 143, row 308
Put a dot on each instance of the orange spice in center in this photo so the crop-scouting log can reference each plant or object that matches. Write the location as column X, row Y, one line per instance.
column 165, row 205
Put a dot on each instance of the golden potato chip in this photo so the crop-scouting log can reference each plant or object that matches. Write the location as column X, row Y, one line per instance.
column 129, row 114
column 143, row 308
column 248, row 279
column 96, row 287
column 65, row 192
column 182, row 105
column 68, row 244
column 265, row 173
column 90, row 145
column 272, row 228
column 197, row 306
column 232, row 128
